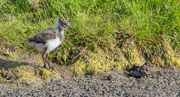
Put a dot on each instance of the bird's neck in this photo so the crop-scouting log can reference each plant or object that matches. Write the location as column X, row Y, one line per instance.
column 60, row 33
column 60, row 30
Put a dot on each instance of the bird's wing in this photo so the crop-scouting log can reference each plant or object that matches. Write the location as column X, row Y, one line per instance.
column 44, row 35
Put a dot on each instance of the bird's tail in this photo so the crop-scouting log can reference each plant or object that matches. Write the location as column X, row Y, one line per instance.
column 31, row 39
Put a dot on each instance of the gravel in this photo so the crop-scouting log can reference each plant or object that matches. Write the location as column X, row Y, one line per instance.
column 140, row 81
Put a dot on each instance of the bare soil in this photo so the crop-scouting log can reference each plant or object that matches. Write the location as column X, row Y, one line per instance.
column 139, row 81
column 158, row 83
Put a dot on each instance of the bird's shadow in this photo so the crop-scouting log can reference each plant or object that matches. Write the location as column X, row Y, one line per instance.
column 8, row 64
column 8, row 69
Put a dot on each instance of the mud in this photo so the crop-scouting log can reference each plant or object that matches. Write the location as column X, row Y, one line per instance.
column 139, row 81
column 156, row 82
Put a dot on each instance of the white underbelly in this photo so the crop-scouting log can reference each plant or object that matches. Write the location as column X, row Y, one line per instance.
column 50, row 45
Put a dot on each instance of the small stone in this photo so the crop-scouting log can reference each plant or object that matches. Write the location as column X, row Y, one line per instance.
column 109, row 77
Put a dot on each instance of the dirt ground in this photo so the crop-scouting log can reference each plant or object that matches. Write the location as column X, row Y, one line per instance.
column 157, row 83
column 139, row 81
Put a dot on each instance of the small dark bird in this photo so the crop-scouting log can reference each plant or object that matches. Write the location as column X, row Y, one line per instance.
column 49, row 39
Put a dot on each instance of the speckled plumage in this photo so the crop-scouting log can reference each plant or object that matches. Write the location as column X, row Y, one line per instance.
column 40, row 40
column 49, row 39
column 43, row 36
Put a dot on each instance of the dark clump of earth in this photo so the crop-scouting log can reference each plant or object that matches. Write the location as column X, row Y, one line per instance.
column 140, row 81
column 138, row 71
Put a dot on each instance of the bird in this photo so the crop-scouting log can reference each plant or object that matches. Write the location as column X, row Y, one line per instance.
column 49, row 39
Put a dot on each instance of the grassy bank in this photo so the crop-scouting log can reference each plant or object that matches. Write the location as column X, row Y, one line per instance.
column 125, row 27
column 93, row 21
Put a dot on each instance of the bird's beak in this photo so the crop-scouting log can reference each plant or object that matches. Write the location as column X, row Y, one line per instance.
column 70, row 28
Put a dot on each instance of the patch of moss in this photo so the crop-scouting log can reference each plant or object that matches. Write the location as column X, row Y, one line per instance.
column 28, row 74
column 177, row 61
column 79, row 67
column 7, row 54
column 23, row 68
column 100, row 60
column 169, row 57
column 157, row 60
column 25, row 74
column 47, row 74
column 165, row 57
column 130, row 51
column 27, row 77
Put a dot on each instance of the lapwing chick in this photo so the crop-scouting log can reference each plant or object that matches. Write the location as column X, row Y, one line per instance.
column 49, row 39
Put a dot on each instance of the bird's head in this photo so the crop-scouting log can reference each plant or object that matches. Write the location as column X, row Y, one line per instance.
column 63, row 23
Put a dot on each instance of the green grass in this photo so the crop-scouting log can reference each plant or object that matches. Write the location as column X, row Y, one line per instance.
column 151, row 19
column 93, row 22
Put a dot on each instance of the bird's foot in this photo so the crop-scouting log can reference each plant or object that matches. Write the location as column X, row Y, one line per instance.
column 45, row 66
column 51, row 67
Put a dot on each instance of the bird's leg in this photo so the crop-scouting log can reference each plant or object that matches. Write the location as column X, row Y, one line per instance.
column 50, row 66
column 44, row 60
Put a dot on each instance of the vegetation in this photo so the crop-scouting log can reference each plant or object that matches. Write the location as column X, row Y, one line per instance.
column 98, row 25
